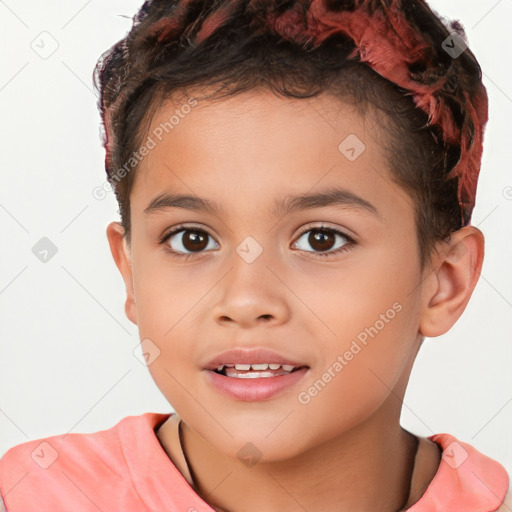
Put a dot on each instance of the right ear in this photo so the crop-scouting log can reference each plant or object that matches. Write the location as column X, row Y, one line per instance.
column 121, row 254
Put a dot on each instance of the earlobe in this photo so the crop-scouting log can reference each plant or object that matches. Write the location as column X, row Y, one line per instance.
column 453, row 278
column 122, row 256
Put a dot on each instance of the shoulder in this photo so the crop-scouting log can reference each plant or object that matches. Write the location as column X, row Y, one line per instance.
column 71, row 461
column 466, row 479
column 62, row 449
column 506, row 506
column 45, row 451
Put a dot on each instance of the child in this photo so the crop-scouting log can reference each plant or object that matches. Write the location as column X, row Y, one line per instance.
column 325, row 154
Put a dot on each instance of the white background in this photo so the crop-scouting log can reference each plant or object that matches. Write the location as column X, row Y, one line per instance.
column 67, row 361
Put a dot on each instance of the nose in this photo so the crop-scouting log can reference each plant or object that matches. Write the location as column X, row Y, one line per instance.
column 251, row 294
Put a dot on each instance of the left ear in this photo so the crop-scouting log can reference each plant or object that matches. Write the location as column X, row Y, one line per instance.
column 452, row 279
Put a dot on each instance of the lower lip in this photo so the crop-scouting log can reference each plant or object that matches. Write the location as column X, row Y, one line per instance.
column 251, row 390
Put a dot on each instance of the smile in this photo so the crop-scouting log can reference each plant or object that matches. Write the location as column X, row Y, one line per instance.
column 255, row 371
column 253, row 384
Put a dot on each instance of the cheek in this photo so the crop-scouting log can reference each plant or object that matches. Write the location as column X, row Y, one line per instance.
column 367, row 331
column 369, row 343
column 343, row 302
column 359, row 376
column 165, row 295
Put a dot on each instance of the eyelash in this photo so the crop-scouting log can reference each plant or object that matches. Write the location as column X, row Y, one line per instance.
column 181, row 227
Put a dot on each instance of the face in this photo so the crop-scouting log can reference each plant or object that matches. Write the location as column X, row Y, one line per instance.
column 333, row 285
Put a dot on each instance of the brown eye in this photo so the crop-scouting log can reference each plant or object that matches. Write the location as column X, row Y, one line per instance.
column 188, row 240
column 194, row 240
column 323, row 240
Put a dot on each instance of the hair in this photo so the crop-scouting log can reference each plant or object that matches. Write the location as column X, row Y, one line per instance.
column 390, row 56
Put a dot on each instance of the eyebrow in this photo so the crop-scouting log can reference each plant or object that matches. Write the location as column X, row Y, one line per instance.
column 333, row 196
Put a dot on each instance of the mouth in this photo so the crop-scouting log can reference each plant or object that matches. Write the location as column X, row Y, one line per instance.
column 254, row 374
column 255, row 382
column 256, row 371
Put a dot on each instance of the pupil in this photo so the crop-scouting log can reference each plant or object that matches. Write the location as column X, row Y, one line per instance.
column 321, row 238
column 194, row 240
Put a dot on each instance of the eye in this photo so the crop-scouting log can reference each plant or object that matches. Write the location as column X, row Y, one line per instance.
column 323, row 239
column 184, row 241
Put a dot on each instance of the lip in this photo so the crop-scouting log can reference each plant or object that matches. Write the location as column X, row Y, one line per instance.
column 251, row 390
column 250, row 356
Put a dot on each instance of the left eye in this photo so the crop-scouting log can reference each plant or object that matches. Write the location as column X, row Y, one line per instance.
column 191, row 241
column 323, row 240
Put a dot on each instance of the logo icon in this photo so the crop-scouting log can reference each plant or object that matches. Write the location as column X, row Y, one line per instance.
column 351, row 147
column 45, row 45
column 44, row 455
column 44, row 250
column 149, row 354
column 454, row 45
column 455, row 455
column 249, row 249
column 249, row 454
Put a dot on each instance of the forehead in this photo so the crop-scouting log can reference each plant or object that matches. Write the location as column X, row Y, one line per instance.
column 256, row 146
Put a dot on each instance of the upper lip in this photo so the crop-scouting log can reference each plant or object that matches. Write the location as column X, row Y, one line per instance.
column 250, row 356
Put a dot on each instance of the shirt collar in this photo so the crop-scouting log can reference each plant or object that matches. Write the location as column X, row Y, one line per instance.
column 465, row 480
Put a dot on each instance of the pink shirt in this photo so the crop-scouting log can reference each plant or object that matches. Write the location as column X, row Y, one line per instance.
column 126, row 469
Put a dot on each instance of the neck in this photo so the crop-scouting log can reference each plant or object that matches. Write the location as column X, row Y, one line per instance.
column 367, row 468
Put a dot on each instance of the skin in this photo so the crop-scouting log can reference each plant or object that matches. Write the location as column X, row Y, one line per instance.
column 344, row 450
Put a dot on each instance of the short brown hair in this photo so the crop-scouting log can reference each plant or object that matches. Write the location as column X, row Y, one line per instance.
column 392, row 56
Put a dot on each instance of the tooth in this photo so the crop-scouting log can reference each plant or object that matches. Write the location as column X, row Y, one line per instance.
column 274, row 366
column 288, row 367
column 242, row 366
column 220, row 368
column 262, row 366
column 252, row 375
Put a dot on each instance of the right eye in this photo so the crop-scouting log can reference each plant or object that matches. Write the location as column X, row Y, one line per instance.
column 184, row 241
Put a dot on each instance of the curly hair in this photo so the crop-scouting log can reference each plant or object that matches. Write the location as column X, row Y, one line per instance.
column 388, row 55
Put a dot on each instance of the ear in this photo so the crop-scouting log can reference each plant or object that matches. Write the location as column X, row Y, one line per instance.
column 121, row 254
column 452, row 279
